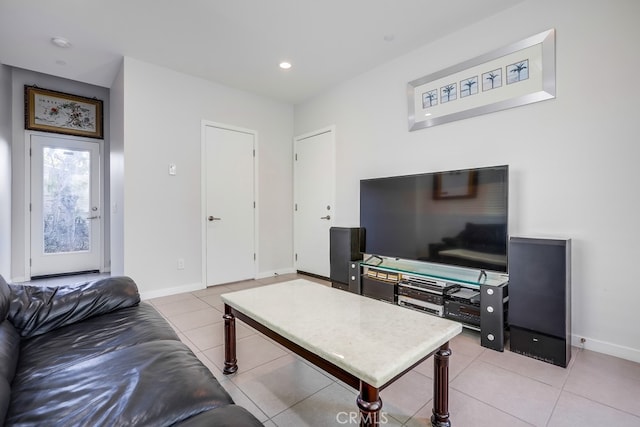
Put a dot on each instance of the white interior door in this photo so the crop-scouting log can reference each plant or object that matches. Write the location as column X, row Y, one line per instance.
column 314, row 169
column 65, row 205
column 230, row 207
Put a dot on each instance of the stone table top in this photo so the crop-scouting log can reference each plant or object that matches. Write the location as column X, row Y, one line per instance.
column 373, row 340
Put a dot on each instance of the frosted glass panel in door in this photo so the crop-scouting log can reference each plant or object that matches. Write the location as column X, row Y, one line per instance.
column 66, row 184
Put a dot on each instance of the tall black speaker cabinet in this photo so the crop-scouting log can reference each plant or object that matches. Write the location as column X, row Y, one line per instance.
column 540, row 298
column 345, row 249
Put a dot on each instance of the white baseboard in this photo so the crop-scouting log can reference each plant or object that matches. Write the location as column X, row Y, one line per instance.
column 604, row 347
column 146, row 295
column 266, row 274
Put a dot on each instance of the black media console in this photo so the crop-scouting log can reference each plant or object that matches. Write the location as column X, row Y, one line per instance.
column 478, row 300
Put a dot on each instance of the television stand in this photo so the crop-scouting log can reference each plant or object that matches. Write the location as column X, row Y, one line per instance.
column 475, row 298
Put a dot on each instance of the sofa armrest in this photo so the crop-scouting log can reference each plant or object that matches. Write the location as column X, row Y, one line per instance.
column 35, row 310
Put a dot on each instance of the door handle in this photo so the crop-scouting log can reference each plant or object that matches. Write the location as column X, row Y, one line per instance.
column 213, row 218
column 328, row 217
column 93, row 217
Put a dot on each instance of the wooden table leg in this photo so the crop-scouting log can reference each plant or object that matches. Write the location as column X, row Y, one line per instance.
column 230, row 360
column 440, row 417
column 370, row 404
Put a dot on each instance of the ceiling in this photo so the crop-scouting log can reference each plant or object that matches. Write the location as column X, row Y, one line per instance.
column 238, row 43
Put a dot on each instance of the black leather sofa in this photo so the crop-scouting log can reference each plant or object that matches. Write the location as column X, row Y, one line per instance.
column 92, row 354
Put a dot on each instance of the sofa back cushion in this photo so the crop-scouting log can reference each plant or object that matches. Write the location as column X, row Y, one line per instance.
column 9, row 350
column 36, row 310
column 4, row 299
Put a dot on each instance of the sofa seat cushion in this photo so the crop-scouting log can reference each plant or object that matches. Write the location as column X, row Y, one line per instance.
column 155, row 383
column 74, row 343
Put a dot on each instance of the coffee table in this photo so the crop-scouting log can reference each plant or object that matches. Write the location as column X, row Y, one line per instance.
column 366, row 343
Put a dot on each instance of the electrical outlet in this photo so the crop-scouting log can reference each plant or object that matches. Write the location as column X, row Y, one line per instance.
column 180, row 264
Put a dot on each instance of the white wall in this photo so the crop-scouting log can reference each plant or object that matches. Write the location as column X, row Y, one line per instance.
column 573, row 160
column 5, row 172
column 162, row 112
column 20, row 78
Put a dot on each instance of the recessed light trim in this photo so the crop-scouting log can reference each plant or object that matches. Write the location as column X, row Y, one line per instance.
column 61, row 42
column 285, row 65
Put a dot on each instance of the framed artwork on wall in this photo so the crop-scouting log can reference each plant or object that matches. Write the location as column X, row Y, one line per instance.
column 59, row 112
column 515, row 75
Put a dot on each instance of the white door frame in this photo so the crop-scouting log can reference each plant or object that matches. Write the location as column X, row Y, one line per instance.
column 27, row 193
column 203, row 193
column 332, row 173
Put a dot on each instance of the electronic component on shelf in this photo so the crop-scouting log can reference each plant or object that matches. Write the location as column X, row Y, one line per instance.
column 462, row 312
column 421, row 294
column 435, row 309
column 426, row 284
column 467, row 296
column 383, row 275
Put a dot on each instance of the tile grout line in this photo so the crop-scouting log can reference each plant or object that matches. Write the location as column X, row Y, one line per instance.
column 300, row 401
column 562, row 390
column 477, row 358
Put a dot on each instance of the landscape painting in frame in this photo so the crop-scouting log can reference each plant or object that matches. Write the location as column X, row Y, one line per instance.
column 469, row 86
column 58, row 112
column 492, row 80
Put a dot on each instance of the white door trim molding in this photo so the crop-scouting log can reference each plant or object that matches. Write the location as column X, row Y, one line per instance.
column 203, row 193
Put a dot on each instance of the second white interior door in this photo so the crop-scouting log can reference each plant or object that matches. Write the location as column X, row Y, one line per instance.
column 314, row 169
column 230, row 208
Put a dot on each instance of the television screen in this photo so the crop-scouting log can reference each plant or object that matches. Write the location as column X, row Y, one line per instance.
column 453, row 217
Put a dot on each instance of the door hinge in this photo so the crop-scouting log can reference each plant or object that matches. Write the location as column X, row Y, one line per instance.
column 254, row 205
column 296, row 207
column 254, row 256
column 296, row 257
column 296, row 157
column 30, row 262
column 29, row 152
column 254, row 152
column 29, row 207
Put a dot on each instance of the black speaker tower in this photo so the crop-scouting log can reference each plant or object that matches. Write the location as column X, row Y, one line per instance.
column 346, row 246
column 540, row 298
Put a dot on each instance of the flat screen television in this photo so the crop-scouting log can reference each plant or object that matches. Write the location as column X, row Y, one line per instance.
column 455, row 217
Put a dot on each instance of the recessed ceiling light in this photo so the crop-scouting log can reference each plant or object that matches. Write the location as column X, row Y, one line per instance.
column 61, row 62
column 61, row 42
column 285, row 65
column 389, row 37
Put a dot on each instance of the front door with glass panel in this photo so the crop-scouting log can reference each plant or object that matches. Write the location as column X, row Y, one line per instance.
column 65, row 205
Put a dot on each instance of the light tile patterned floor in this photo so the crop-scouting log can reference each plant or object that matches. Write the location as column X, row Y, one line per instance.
column 487, row 388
